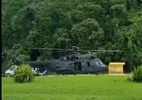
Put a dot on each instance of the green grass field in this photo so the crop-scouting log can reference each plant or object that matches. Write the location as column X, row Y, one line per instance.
column 90, row 87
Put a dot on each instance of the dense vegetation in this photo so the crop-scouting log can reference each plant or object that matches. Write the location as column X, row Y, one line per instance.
column 137, row 74
column 88, row 24
column 23, row 74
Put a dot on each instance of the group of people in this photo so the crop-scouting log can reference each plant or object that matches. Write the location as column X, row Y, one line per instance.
column 38, row 73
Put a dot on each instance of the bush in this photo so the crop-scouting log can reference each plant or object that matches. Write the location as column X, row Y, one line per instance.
column 137, row 74
column 23, row 74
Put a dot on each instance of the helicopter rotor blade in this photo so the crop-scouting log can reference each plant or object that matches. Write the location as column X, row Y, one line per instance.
column 53, row 50
column 75, row 49
column 107, row 51
column 46, row 48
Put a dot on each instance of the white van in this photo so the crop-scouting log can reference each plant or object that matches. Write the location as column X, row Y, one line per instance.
column 10, row 71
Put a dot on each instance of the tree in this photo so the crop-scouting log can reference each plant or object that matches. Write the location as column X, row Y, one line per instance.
column 88, row 30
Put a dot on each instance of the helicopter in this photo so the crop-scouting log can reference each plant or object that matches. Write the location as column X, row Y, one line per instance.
column 73, row 63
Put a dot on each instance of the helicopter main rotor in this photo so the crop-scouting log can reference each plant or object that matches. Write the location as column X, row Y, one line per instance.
column 75, row 50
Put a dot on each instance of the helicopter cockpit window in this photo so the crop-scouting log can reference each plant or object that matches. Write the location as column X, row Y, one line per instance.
column 97, row 62
column 100, row 62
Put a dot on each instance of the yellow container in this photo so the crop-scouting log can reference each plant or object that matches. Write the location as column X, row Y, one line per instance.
column 116, row 67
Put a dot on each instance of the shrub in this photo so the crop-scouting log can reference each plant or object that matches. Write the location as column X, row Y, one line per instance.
column 23, row 74
column 137, row 74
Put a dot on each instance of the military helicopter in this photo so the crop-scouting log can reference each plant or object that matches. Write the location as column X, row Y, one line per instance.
column 73, row 63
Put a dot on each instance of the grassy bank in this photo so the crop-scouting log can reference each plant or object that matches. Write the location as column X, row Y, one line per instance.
column 90, row 87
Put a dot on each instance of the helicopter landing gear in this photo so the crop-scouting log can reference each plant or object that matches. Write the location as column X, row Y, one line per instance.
column 65, row 74
column 97, row 73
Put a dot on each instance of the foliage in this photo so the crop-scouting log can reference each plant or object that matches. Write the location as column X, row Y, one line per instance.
column 89, row 30
column 137, row 74
column 23, row 74
column 89, row 24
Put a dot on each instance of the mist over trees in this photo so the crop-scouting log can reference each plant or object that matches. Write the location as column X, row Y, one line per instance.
column 88, row 24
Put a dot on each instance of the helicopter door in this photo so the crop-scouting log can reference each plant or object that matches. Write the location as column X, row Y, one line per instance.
column 77, row 65
column 87, row 64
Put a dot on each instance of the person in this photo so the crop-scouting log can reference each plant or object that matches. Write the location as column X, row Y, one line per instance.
column 37, row 71
column 34, row 72
column 44, row 72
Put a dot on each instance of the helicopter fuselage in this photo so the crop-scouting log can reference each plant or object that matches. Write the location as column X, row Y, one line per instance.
column 67, row 66
column 74, row 63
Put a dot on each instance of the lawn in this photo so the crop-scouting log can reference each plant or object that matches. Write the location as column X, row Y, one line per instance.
column 79, row 87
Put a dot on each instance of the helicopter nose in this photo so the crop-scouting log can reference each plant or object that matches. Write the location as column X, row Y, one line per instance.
column 105, row 67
